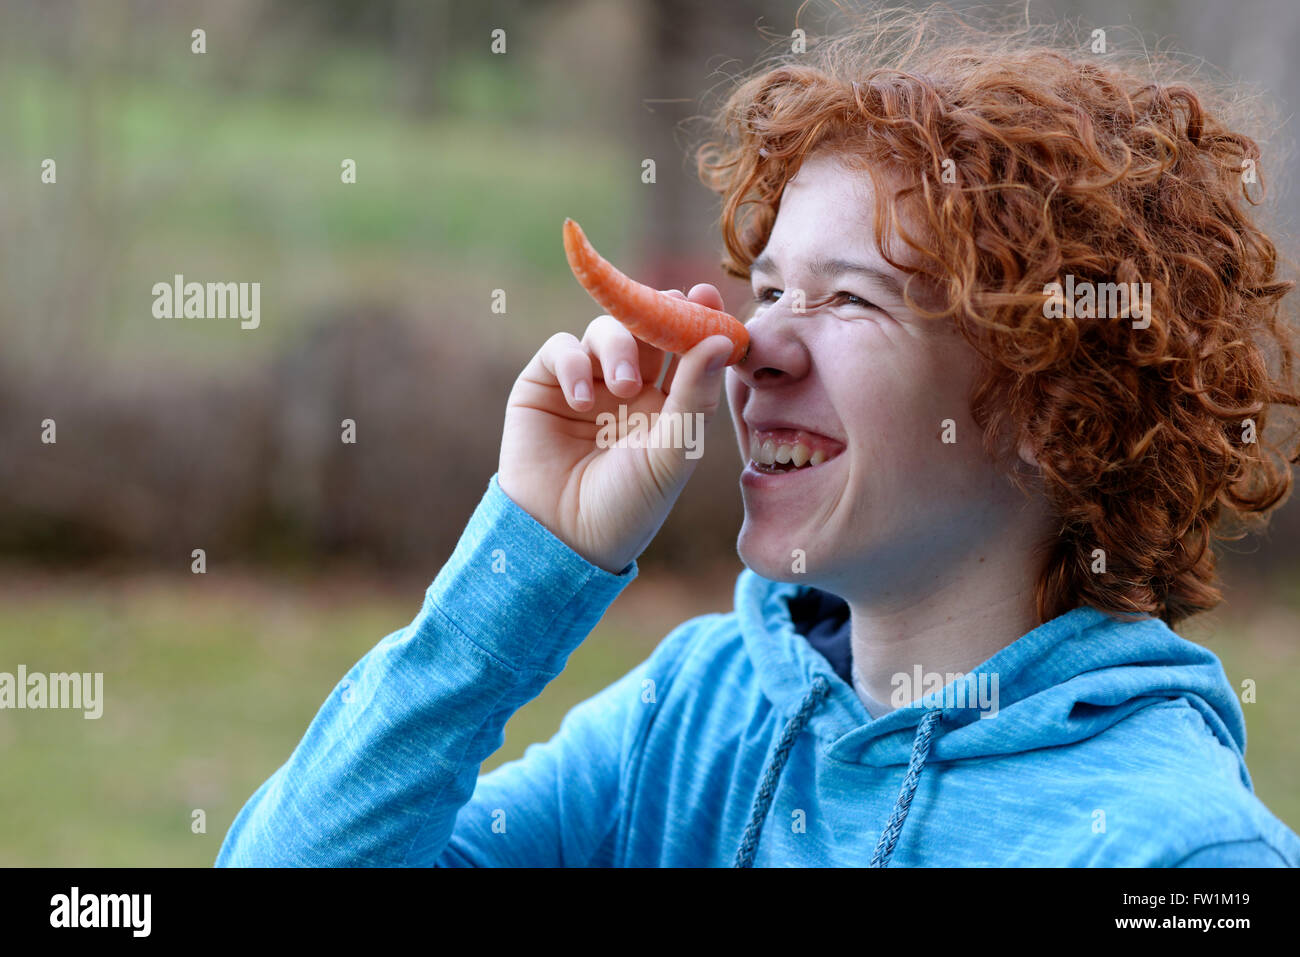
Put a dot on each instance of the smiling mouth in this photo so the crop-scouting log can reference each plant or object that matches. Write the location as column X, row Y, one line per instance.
column 773, row 451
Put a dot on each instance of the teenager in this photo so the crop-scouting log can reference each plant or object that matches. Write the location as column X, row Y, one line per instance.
column 980, row 485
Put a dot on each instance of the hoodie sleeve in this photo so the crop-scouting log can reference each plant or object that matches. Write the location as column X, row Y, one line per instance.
column 393, row 754
column 559, row 804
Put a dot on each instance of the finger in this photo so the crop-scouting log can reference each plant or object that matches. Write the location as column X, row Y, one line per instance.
column 687, row 410
column 563, row 360
column 669, row 369
column 706, row 294
column 697, row 381
column 617, row 354
column 654, row 364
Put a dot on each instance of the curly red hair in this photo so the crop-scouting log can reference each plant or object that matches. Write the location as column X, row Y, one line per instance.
column 1062, row 162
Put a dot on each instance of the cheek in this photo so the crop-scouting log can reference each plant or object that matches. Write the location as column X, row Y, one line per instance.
column 734, row 393
column 889, row 401
column 911, row 421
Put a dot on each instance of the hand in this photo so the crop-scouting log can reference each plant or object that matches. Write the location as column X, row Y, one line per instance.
column 606, row 503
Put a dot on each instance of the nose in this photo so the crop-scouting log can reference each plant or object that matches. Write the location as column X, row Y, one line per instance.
column 777, row 352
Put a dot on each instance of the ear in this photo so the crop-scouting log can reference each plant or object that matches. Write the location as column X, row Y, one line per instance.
column 1027, row 454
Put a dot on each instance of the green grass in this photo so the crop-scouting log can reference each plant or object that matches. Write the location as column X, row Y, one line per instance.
column 207, row 690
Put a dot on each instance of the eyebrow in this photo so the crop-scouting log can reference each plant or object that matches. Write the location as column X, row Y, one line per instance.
column 830, row 268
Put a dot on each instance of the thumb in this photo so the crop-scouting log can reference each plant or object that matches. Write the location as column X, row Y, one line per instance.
column 697, row 380
column 690, row 405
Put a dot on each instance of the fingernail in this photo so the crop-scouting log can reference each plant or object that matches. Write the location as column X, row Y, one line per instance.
column 716, row 364
column 625, row 372
column 581, row 391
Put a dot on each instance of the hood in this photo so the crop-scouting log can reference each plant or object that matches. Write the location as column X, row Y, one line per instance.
column 1066, row 680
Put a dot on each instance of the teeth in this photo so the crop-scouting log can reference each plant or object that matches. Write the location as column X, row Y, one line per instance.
column 769, row 453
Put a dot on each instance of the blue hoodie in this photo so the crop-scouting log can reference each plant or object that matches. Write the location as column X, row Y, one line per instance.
column 740, row 741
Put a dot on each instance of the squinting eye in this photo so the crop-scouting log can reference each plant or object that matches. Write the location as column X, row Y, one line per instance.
column 770, row 294
column 853, row 300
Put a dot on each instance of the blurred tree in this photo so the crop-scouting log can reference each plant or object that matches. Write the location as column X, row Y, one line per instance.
column 684, row 41
column 422, row 44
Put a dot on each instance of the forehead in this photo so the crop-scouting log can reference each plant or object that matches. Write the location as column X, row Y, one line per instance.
column 825, row 225
column 826, row 211
column 826, row 172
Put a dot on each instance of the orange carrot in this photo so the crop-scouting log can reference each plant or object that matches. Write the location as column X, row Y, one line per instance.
column 674, row 325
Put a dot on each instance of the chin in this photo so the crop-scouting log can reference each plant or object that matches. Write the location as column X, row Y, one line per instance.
column 770, row 560
column 769, row 557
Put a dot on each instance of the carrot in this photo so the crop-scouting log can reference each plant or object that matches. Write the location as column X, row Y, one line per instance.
column 674, row 325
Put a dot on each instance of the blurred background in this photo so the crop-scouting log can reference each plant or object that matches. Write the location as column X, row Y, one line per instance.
column 376, row 305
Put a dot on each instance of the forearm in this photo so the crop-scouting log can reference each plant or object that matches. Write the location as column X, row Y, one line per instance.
column 394, row 752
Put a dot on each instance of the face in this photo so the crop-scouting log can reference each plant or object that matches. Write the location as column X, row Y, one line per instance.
column 840, row 411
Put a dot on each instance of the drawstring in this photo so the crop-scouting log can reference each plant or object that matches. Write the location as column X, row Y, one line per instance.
column 763, row 801
column 767, row 790
column 920, row 751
